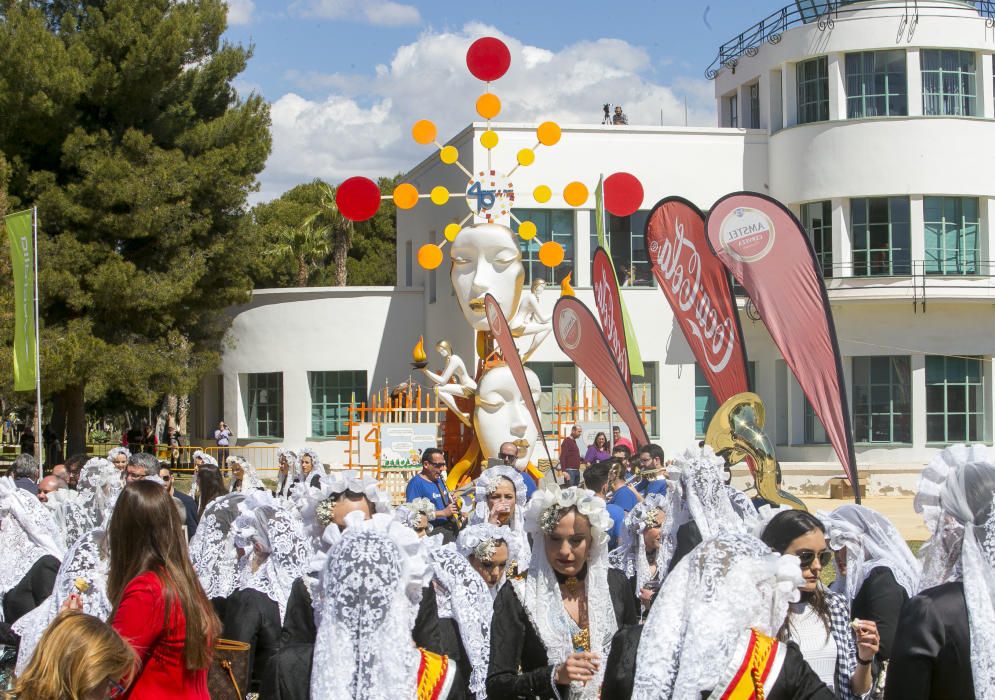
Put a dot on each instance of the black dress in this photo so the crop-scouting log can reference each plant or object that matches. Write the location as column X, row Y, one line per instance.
column 288, row 674
column 797, row 680
column 880, row 599
column 931, row 656
column 688, row 537
column 519, row 667
column 33, row 588
column 252, row 617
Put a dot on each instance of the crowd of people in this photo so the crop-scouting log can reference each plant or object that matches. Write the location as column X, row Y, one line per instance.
column 649, row 579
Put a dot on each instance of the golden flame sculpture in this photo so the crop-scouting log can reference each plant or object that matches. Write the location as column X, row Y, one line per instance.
column 566, row 290
column 420, row 359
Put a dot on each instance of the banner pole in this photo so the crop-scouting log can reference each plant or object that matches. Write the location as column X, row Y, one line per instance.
column 38, row 436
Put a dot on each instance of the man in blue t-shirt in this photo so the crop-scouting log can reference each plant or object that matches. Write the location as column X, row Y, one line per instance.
column 652, row 474
column 428, row 484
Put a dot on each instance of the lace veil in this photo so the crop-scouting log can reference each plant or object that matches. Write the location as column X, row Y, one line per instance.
column 371, row 588
column 630, row 556
column 317, row 466
column 285, row 482
column 250, row 479
column 725, row 586
column 871, row 541
column 714, row 506
column 27, row 533
column 478, row 539
column 408, row 514
column 486, row 483
column 313, row 502
column 212, row 547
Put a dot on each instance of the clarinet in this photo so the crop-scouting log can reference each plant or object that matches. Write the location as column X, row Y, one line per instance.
column 448, row 496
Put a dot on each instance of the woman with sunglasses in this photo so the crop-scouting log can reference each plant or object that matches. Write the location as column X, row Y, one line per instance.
column 820, row 622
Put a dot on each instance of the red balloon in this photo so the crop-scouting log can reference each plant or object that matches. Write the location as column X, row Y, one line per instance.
column 623, row 194
column 358, row 198
column 488, row 58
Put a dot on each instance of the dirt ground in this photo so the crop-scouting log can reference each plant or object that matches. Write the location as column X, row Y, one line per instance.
column 898, row 509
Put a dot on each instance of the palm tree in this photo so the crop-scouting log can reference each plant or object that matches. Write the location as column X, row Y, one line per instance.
column 336, row 228
column 307, row 244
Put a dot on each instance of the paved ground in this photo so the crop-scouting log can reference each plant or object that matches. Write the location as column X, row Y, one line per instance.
column 898, row 509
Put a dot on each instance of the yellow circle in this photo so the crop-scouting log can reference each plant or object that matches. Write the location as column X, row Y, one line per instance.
column 542, row 194
column 575, row 193
column 548, row 133
column 550, row 254
column 489, row 139
column 488, row 105
column 449, row 155
column 451, row 231
column 527, row 230
column 430, row 256
column 423, row 131
column 526, row 156
column 439, row 195
column 405, row 195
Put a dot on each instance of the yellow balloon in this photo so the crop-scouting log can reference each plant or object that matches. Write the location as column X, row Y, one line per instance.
column 488, row 105
column 439, row 195
column 542, row 194
column 451, row 231
column 527, row 230
column 575, row 193
column 489, row 139
column 551, row 254
column 449, row 155
column 423, row 132
column 405, row 196
column 526, row 156
column 548, row 133
column 430, row 256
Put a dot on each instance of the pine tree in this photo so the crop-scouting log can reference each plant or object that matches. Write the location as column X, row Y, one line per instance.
column 122, row 125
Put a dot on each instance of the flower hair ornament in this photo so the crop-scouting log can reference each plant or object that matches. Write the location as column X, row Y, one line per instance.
column 316, row 504
column 549, row 505
column 408, row 514
column 115, row 451
column 482, row 539
column 630, row 556
column 205, row 457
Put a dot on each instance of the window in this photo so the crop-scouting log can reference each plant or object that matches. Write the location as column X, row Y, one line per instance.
column 734, row 111
column 882, row 403
column 644, row 394
column 558, row 381
column 815, row 434
column 813, row 90
column 332, row 393
column 755, row 106
column 952, row 225
column 881, row 236
column 817, row 218
column 876, row 84
column 949, row 83
column 551, row 225
column 705, row 403
column 625, row 237
column 954, row 399
column 264, row 405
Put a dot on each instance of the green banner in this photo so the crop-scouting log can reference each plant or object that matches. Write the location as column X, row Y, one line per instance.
column 22, row 260
column 632, row 346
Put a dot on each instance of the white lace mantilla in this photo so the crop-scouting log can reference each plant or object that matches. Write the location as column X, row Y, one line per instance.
column 212, row 548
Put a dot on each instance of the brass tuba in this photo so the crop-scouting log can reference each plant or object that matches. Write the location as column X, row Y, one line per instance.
column 736, row 433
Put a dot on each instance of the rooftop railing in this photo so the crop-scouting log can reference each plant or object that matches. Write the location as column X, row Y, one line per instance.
column 822, row 13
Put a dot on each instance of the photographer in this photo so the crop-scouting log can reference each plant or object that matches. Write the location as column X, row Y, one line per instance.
column 222, row 437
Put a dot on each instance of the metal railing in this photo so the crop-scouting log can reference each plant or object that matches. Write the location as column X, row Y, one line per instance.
column 823, row 13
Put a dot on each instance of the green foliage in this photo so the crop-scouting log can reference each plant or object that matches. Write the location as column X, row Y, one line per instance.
column 122, row 125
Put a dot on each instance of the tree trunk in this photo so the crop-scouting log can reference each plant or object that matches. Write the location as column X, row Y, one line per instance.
column 57, row 426
column 340, row 253
column 182, row 410
column 302, row 272
column 75, row 406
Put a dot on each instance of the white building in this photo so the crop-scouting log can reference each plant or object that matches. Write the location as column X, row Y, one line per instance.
column 874, row 124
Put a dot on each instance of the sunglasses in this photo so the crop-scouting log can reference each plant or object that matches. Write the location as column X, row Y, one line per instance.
column 508, row 458
column 807, row 557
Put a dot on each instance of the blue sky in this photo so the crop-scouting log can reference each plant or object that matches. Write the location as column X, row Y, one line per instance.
column 346, row 78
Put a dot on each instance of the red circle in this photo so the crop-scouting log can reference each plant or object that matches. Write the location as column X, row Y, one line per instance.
column 488, row 58
column 623, row 194
column 358, row 198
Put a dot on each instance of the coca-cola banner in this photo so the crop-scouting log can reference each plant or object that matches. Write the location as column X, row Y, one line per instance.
column 609, row 303
column 768, row 252
column 580, row 338
column 697, row 287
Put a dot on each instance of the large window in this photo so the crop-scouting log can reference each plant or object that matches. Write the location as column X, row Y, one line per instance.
column 558, row 381
column 644, row 393
column 876, row 84
column 551, row 225
column 817, row 218
column 881, row 243
column 332, row 393
column 951, row 233
column 813, row 90
column 882, row 399
column 705, row 403
column 949, row 83
column 755, row 106
column 954, row 399
column 264, row 405
column 625, row 237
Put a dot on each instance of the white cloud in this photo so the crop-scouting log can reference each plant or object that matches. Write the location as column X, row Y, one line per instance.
column 362, row 125
column 240, row 11
column 379, row 12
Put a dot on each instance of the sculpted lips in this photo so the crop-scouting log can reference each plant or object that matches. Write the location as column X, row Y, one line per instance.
column 476, row 305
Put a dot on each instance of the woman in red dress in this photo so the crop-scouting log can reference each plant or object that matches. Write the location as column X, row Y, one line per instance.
column 159, row 606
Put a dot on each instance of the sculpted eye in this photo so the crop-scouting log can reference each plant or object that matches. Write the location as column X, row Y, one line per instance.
column 460, row 260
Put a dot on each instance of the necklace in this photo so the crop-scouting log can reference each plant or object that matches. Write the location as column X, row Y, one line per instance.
column 572, row 585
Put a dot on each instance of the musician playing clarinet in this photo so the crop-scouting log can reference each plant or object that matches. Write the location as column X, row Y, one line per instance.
column 430, row 484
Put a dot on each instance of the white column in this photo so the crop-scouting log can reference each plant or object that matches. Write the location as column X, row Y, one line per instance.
column 842, row 239
column 917, row 232
column 765, row 86
column 986, row 108
column 914, row 71
column 776, row 99
column 986, row 236
column 837, row 90
column 582, row 247
column 789, row 94
column 918, row 365
column 296, row 406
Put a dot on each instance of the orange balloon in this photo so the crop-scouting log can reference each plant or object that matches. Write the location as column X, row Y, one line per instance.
column 430, row 256
column 423, row 132
column 548, row 133
column 488, row 105
column 551, row 254
column 575, row 193
column 405, row 195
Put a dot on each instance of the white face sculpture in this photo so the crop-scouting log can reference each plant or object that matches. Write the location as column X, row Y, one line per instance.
column 501, row 416
column 486, row 260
